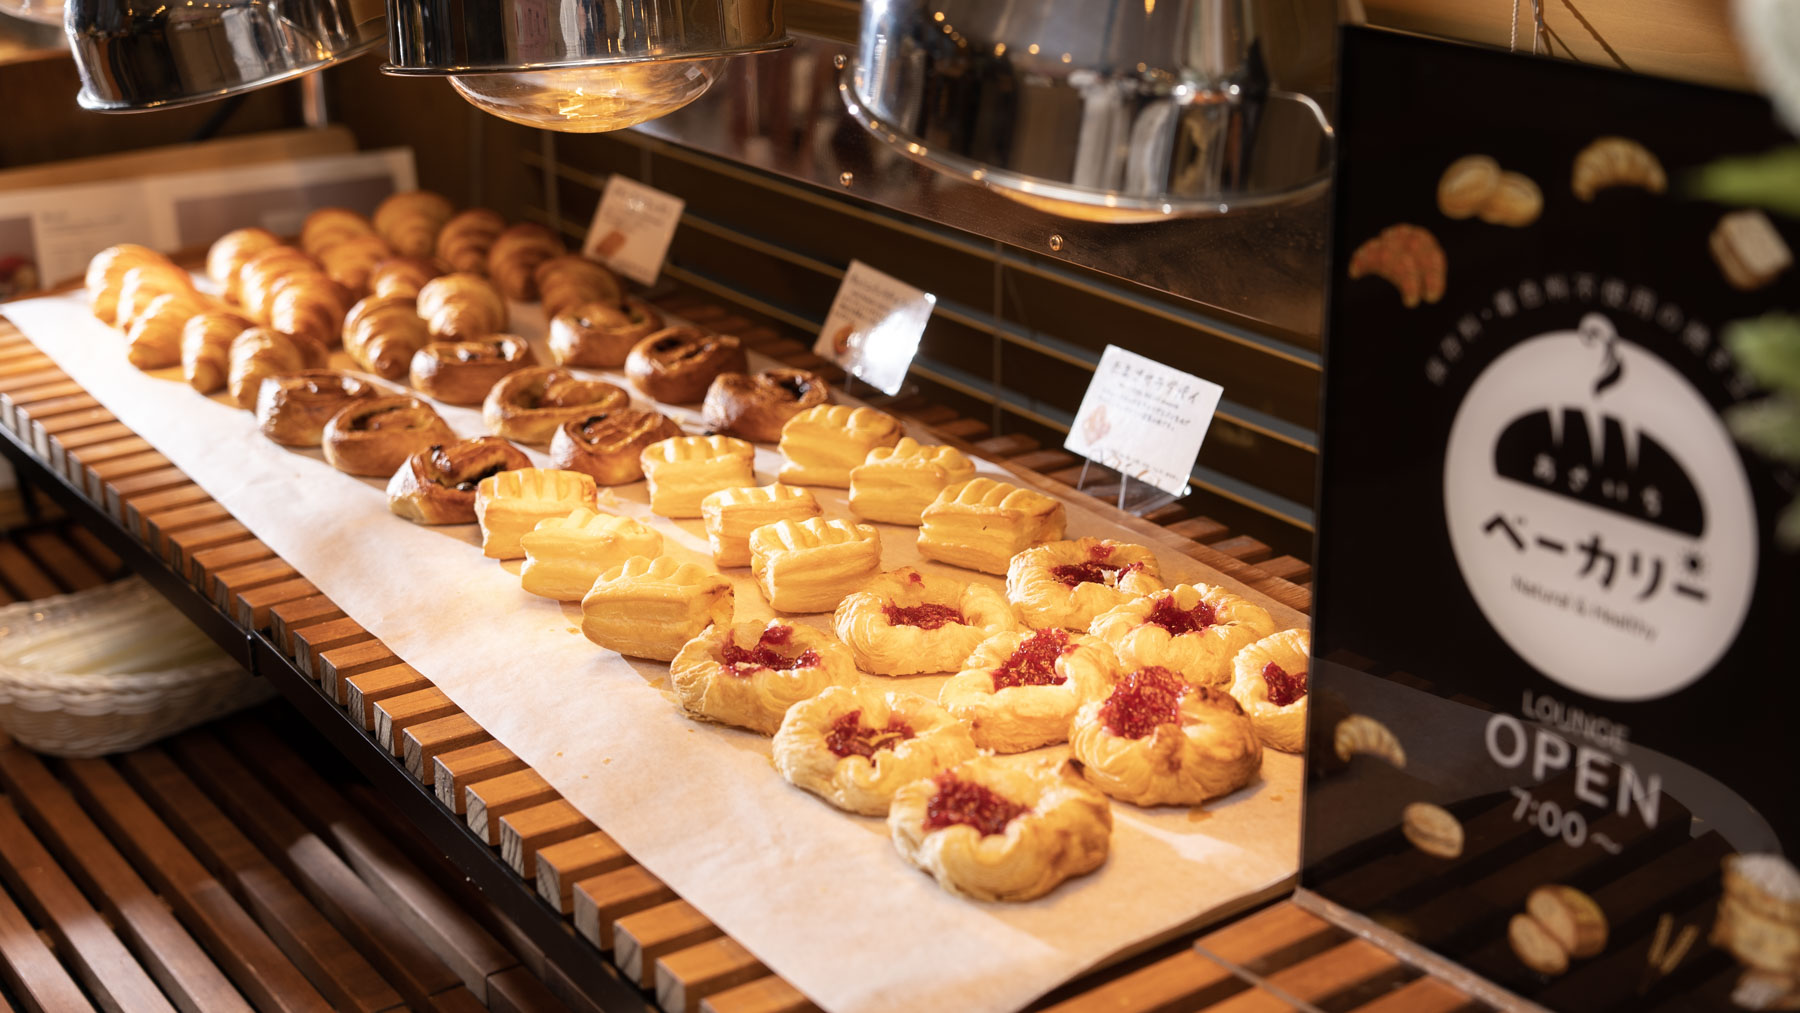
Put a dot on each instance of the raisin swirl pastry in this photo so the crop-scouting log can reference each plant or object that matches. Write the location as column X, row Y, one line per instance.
column 756, row 407
column 372, row 437
column 608, row 446
column 1157, row 739
column 905, row 622
column 464, row 241
column 1269, row 679
column 676, row 365
column 513, row 260
column 382, row 333
column 457, row 307
column 854, row 746
column 531, row 404
column 293, row 408
column 1018, row 691
column 462, row 372
column 749, row 674
column 1000, row 829
column 1068, row 583
column 1191, row 629
column 571, row 279
column 437, row 485
column 600, row 335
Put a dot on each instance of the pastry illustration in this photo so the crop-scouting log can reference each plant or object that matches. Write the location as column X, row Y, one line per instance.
column 1616, row 161
column 1269, row 678
column 854, row 746
column 1516, row 201
column 1560, row 923
column 1432, row 829
column 1759, row 923
column 1748, row 250
column 1534, row 947
column 1360, row 733
column 610, row 244
column 840, row 342
column 1409, row 257
column 1096, row 425
column 1466, row 185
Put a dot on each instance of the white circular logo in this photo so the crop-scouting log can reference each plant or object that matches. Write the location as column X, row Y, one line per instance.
column 1600, row 514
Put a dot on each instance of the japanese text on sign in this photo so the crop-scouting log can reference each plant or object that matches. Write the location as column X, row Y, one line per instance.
column 874, row 326
column 1144, row 419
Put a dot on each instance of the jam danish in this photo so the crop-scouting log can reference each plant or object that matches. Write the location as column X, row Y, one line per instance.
column 1269, row 680
column 854, row 746
column 1068, row 583
column 1193, row 630
column 905, row 622
column 1017, row 691
column 1157, row 739
column 749, row 674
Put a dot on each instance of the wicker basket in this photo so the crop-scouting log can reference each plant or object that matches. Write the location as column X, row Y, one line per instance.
column 84, row 714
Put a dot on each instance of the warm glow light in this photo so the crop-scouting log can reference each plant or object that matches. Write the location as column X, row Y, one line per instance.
column 1032, row 49
column 588, row 100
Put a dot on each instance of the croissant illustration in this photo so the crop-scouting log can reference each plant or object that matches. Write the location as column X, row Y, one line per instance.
column 1408, row 256
column 1616, row 161
column 1360, row 733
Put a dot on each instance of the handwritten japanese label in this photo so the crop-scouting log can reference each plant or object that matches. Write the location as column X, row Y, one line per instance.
column 874, row 326
column 1144, row 419
column 632, row 228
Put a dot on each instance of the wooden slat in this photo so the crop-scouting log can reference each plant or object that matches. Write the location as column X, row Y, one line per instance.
column 67, row 566
column 561, row 865
column 764, row 995
column 104, row 559
column 122, row 489
column 454, row 771
column 160, row 526
column 1243, row 548
column 183, row 544
column 1200, row 529
column 363, row 692
column 333, row 666
column 1007, row 445
column 1186, row 980
column 44, row 428
column 1345, row 968
column 80, row 472
column 65, row 450
column 640, row 938
column 1426, row 995
column 524, row 833
column 422, row 743
column 111, row 469
column 601, row 901
column 288, row 617
column 487, row 801
column 1271, row 937
column 139, row 509
column 456, row 1000
column 397, row 713
column 686, row 977
column 309, row 643
column 23, row 574
column 251, row 608
column 234, row 581
column 963, row 429
column 1287, row 568
column 30, row 971
column 208, row 562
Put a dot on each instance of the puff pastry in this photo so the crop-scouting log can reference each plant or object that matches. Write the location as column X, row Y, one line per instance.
column 257, row 277
column 330, row 226
column 293, row 408
column 206, row 348
column 231, row 250
column 464, row 241
column 374, row 436
column 309, row 306
column 749, row 674
column 514, row 258
column 982, row 524
column 731, row 514
column 402, row 277
column 511, row 503
column 905, row 622
column 106, row 275
column 530, row 404
column 600, row 335
column 261, row 352
column 610, row 445
column 437, row 485
column 458, row 307
column 810, row 565
column 146, row 284
column 571, row 279
column 821, row 444
column 755, row 406
column 1158, row 739
column 683, row 470
column 854, row 746
column 1068, row 583
column 1002, row 830
column 351, row 261
column 1191, row 629
column 1269, row 680
column 895, row 484
column 646, row 608
column 1018, row 691
column 153, row 341
column 677, row 364
column 410, row 221
column 565, row 555
column 462, row 372
column 383, row 333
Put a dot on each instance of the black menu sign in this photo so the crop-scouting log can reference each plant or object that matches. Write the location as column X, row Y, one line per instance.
column 1555, row 686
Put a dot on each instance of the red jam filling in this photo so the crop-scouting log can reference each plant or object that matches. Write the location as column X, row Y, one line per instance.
column 744, row 662
column 1177, row 620
column 1142, row 700
column 968, row 803
column 925, row 617
column 1033, row 662
column 1284, row 689
column 1095, row 569
column 848, row 736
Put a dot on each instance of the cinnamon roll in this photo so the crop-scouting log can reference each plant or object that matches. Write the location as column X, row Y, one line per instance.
column 457, row 307
column 608, row 445
column 756, row 407
column 514, row 258
column 437, row 484
column 382, row 333
column 292, row 409
column 462, row 372
column 463, row 242
column 676, row 364
column 373, row 436
column 530, row 404
column 599, row 335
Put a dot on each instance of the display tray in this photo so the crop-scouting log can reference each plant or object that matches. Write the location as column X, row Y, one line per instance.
column 539, row 833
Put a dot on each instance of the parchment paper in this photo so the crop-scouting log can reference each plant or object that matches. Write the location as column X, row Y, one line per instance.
column 820, row 896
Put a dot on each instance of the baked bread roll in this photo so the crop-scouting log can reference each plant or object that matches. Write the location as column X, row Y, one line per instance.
column 731, row 514
column 993, row 829
column 308, row 306
column 1193, row 630
column 531, row 404
column 256, row 279
column 570, row 279
column 755, row 407
column 1269, row 680
column 514, row 258
column 292, row 409
column 982, row 524
column 409, row 222
column 231, row 250
column 821, row 444
column 459, row 307
column 383, row 333
column 437, row 485
column 646, row 608
column 565, row 555
column 462, row 372
column 206, row 348
column 463, row 242
column 402, row 277
column 146, row 284
column 609, row 446
column 854, row 746
column 895, row 485
column 905, row 622
column 810, row 565
column 330, row 226
column 676, row 365
column 153, row 341
column 1068, row 583
column 261, row 352
column 106, row 275
column 352, row 261
column 683, row 470
column 1018, row 691
column 600, row 335
column 511, row 503
column 1157, row 739
column 374, row 436
column 749, row 674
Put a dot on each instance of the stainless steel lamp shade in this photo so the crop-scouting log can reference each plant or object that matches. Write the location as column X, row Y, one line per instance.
column 150, row 54
column 1104, row 110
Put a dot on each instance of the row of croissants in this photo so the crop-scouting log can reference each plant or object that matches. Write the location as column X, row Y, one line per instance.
column 417, row 274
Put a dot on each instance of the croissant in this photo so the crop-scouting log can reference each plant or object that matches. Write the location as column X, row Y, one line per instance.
column 231, row 250
column 458, row 307
column 349, row 263
column 106, row 273
column 262, row 352
column 309, row 306
column 570, row 280
column 144, row 285
column 154, row 339
column 514, row 258
column 1616, row 161
column 330, row 226
column 260, row 273
column 206, row 348
column 409, row 222
column 401, row 276
column 464, row 241
column 382, row 333
column 1407, row 256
